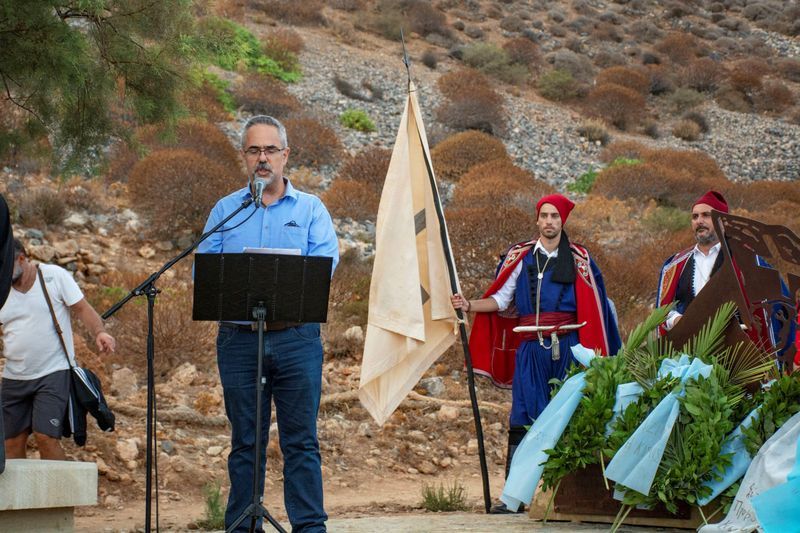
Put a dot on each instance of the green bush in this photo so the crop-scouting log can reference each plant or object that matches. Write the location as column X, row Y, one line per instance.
column 233, row 47
column 666, row 218
column 496, row 62
column 220, row 88
column 444, row 498
column 557, row 85
column 583, row 184
column 357, row 119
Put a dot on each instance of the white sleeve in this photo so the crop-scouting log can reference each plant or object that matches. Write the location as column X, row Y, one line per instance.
column 68, row 290
column 670, row 321
column 505, row 295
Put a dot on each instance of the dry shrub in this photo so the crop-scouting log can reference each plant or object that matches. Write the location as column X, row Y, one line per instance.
column 774, row 97
column 479, row 236
column 193, row 135
column 454, row 156
column 470, row 102
column 660, row 78
column 178, row 338
column 284, row 39
column 620, row 106
column 684, row 99
column 624, row 150
column 699, row 119
column 685, row 129
column 36, row 207
column 425, row 19
column 604, row 31
column 355, row 193
column 230, row 9
column 312, row 142
column 702, row 74
column 82, row 194
column 200, row 180
column 578, row 65
column 352, row 199
column 305, row 13
column 368, row 167
column 263, row 95
column 760, row 196
column 733, row 99
column 598, row 217
column 789, row 68
column 594, row 130
column 679, row 47
column 522, row 51
column 499, row 182
column 669, row 177
column 746, row 75
column 624, row 77
column 349, row 292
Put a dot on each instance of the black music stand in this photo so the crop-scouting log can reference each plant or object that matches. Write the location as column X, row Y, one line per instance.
column 263, row 288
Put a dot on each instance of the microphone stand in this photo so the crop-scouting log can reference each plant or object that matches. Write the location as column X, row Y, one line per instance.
column 148, row 288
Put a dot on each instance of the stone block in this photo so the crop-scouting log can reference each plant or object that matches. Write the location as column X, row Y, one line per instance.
column 39, row 484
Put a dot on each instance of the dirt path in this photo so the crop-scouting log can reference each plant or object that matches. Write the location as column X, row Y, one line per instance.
column 373, row 498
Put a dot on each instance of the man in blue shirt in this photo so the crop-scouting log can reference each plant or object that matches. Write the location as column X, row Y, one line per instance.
column 293, row 352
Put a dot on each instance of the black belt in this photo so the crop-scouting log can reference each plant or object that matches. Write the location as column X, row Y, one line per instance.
column 253, row 326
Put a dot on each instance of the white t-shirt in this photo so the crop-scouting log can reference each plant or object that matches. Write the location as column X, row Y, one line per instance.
column 32, row 348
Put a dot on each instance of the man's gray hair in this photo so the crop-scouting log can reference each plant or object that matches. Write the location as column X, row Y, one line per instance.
column 269, row 121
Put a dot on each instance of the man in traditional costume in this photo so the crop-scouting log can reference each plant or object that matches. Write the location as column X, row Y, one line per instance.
column 685, row 273
column 547, row 282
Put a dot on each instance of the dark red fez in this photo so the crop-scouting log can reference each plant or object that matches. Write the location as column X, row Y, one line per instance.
column 714, row 199
column 562, row 204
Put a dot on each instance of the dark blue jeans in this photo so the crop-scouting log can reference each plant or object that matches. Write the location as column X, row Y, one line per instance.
column 293, row 374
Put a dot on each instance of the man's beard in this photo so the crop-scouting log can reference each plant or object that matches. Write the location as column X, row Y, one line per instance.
column 266, row 166
column 708, row 238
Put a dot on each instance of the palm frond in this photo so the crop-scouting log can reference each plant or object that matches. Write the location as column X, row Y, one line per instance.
column 640, row 333
column 746, row 363
column 708, row 341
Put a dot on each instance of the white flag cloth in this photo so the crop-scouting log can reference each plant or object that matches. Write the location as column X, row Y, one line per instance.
column 411, row 320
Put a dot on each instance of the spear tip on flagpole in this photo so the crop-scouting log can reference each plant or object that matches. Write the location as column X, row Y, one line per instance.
column 406, row 61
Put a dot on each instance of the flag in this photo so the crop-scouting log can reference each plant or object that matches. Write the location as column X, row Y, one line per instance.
column 411, row 320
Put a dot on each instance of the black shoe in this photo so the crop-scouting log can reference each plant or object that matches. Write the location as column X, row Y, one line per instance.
column 500, row 508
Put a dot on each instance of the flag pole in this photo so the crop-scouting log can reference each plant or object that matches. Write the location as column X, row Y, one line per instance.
column 451, row 271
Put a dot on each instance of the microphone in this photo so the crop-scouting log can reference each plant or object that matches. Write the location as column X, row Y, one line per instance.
column 260, row 184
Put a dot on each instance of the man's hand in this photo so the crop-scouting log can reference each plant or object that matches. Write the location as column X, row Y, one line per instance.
column 459, row 302
column 105, row 342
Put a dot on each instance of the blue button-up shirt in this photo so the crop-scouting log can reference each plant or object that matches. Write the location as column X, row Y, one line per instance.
column 297, row 220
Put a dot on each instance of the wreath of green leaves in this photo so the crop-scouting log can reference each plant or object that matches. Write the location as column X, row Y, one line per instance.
column 709, row 410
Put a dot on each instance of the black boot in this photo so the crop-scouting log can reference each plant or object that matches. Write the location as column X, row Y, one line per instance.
column 515, row 436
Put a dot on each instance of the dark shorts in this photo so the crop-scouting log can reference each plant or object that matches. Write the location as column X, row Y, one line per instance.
column 38, row 405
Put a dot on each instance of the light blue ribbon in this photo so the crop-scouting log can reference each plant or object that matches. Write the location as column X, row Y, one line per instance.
column 528, row 462
column 636, row 462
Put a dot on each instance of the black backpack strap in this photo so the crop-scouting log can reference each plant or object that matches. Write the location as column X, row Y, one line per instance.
column 53, row 315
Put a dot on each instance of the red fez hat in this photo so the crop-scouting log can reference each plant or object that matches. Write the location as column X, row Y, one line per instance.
column 562, row 204
column 714, row 199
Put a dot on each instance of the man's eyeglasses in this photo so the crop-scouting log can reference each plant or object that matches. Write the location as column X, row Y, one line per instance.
column 255, row 151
